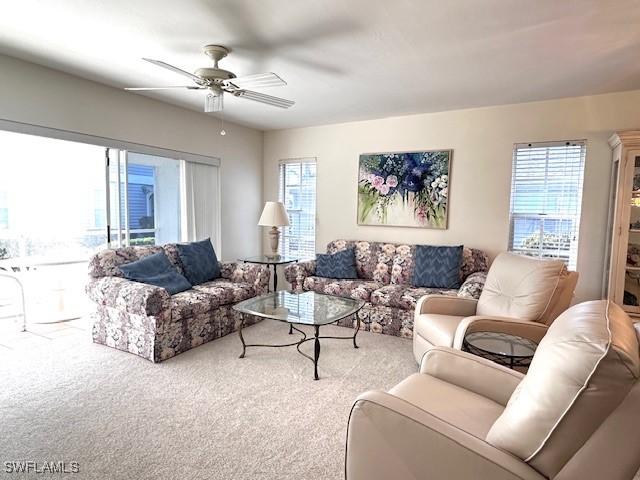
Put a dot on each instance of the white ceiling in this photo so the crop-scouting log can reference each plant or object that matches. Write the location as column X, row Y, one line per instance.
column 343, row 59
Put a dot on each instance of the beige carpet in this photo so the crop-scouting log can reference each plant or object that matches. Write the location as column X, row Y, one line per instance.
column 205, row 414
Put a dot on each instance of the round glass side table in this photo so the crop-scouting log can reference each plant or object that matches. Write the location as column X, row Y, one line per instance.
column 504, row 348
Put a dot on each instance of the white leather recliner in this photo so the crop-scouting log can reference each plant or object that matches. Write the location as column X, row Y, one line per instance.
column 522, row 295
column 574, row 416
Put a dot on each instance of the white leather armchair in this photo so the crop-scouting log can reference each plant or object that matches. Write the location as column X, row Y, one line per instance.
column 522, row 295
column 573, row 416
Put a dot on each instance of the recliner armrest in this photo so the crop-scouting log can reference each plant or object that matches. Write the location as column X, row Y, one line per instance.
column 471, row 372
column 446, row 305
column 533, row 331
column 388, row 437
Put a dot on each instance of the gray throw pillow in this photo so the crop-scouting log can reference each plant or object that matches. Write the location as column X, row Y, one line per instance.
column 156, row 270
column 199, row 261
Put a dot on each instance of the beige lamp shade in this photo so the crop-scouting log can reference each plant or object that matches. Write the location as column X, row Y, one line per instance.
column 274, row 215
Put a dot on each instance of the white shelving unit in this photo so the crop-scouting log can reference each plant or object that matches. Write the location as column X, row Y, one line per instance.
column 622, row 268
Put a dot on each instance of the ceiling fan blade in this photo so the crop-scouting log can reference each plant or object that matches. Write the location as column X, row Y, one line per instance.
column 259, row 80
column 189, row 87
column 213, row 103
column 266, row 99
column 177, row 70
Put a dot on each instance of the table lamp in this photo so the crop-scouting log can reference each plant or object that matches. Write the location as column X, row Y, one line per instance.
column 274, row 215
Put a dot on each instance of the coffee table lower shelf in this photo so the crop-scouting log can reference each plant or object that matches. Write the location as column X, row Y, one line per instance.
column 316, row 339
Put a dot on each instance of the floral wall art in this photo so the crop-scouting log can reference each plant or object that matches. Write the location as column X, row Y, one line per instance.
column 408, row 189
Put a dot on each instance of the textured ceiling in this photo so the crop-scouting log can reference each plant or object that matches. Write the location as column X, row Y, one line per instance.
column 343, row 59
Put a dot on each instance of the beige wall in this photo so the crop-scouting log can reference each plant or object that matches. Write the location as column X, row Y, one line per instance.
column 37, row 95
column 482, row 142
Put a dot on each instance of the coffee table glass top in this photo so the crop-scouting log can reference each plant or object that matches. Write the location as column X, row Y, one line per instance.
column 270, row 259
column 307, row 308
column 501, row 344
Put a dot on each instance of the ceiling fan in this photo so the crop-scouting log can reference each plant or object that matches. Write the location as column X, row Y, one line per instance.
column 218, row 81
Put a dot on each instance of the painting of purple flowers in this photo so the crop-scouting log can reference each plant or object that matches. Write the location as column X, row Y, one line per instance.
column 409, row 189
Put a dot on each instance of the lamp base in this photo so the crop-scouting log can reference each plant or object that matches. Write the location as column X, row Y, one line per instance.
column 274, row 239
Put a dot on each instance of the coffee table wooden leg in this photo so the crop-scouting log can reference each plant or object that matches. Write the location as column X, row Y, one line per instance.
column 316, row 352
column 244, row 347
column 290, row 328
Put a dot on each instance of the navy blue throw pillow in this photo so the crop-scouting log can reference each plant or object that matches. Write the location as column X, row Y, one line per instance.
column 156, row 270
column 338, row 265
column 437, row 267
column 199, row 261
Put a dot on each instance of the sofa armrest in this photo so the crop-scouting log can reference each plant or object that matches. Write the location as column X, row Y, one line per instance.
column 129, row 296
column 295, row 273
column 533, row 331
column 473, row 285
column 256, row 275
column 471, row 372
column 388, row 437
column 446, row 305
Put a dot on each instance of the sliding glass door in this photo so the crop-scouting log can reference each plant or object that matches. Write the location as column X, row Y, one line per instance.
column 52, row 218
column 52, row 198
column 61, row 201
column 144, row 199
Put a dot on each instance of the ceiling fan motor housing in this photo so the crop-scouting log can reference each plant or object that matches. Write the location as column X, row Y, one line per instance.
column 213, row 74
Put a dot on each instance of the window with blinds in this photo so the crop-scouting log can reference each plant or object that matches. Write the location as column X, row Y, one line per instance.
column 298, row 194
column 546, row 198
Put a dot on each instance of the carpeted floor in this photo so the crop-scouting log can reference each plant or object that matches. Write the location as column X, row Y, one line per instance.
column 205, row 414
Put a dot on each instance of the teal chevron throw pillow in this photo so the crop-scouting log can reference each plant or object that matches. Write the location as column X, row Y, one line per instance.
column 338, row 265
column 437, row 267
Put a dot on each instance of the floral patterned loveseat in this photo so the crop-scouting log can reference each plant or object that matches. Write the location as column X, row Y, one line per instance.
column 147, row 321
column 385, row 271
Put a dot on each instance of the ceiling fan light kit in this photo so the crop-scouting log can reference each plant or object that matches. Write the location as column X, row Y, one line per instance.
column 219, row 81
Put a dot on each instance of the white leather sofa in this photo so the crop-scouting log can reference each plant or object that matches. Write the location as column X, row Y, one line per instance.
column 522, row 295
column 574, row 416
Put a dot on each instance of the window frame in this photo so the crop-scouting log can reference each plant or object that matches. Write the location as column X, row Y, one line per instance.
column 571, row 257
column 282, row 186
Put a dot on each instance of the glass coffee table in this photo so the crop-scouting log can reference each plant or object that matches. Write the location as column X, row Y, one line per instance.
column 506, row 349
column 307, row 308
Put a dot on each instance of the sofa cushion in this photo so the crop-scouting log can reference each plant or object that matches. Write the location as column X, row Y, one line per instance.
column 341, row 264
column 439, row 330
column 190, row 303
column 519, row 287
column 405, row 296
column 199, row 261
column 358, row 289
column 583, row 368
column 156, row 269
column 226, row 291
column 437, row 266
column 373, row 259
column 171, row 250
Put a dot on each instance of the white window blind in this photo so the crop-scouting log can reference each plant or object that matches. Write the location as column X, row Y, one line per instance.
column 298, row 194
column 546, row 198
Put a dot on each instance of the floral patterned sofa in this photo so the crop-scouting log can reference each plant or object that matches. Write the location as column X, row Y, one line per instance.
column 147, row 321
column 385, row 271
